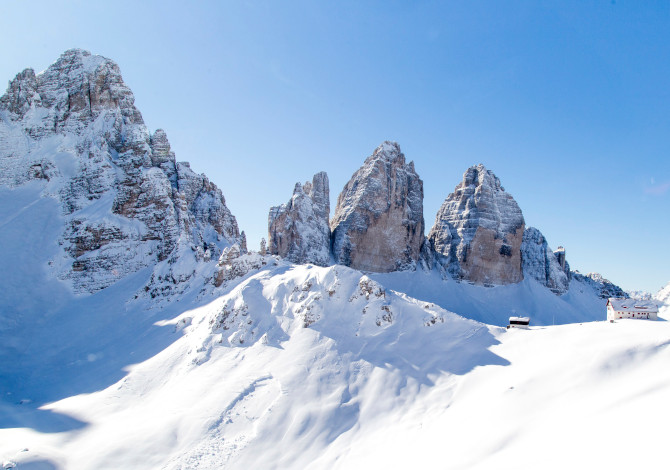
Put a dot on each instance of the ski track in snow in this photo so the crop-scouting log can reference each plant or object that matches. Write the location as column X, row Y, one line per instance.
column 249, row 407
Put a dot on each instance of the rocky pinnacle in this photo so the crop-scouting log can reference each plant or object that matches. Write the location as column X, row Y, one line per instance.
column 378, row 223
column 478, row 231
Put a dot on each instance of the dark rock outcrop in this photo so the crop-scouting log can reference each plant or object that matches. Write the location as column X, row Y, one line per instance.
column 602, row 286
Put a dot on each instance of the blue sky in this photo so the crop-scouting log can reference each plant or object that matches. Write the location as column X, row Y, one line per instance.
column 567, row 102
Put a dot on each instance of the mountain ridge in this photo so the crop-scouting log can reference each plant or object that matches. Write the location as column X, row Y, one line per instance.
column 127, row 204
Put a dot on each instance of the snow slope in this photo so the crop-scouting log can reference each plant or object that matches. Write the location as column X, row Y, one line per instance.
column 288, row 354
column 309, row 367
column 566, row 400
column 494, row 305
column 663, row 295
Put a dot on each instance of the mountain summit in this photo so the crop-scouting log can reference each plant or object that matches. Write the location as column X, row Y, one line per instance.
column 478, row 231
column 74, row 132
column 298, row 230
column 378, row 222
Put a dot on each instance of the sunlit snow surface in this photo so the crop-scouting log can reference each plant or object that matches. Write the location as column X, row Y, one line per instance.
column 307, row 367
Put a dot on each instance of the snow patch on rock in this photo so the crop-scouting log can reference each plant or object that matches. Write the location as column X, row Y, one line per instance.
column 663, row 295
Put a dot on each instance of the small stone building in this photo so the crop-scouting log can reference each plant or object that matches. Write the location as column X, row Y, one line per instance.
column 630, row 308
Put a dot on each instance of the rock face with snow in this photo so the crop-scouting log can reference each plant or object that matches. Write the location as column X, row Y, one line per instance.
column 542, row 264
column 233, row 264
column 126, row 203
column 478, row 231
column 603, row 287
column 299, row 230
column 378, row 223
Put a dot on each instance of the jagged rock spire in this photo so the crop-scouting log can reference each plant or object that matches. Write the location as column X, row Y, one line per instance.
column 478, row 231
column 378, row 223
column 542, row 264
column 299, row 230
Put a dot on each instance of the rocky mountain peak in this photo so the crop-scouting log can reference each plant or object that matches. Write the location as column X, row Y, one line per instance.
column 160, row 146
column 478, row 231
column 126, row 204
column 604, row 287
column 83, row 84
column 541, row 263
column 21, row 93
column 162, row 156
column 378, row 222
column 388, row 151
column 482, row 198
column 319, row 191
column 299, row 230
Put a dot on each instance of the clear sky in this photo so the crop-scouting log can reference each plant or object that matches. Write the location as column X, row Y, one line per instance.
column 567, row 102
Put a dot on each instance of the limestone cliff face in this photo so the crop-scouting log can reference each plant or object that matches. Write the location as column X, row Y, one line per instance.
column 542, row 264
column 126, row 203
column 478, row 231
column 378, row 223
column 299, row 230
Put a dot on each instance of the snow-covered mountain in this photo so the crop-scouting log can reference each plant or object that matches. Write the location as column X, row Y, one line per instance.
column 73, row 134
column 478, row 231
column 136, row 330
column 299, row 231
column 541, row 263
